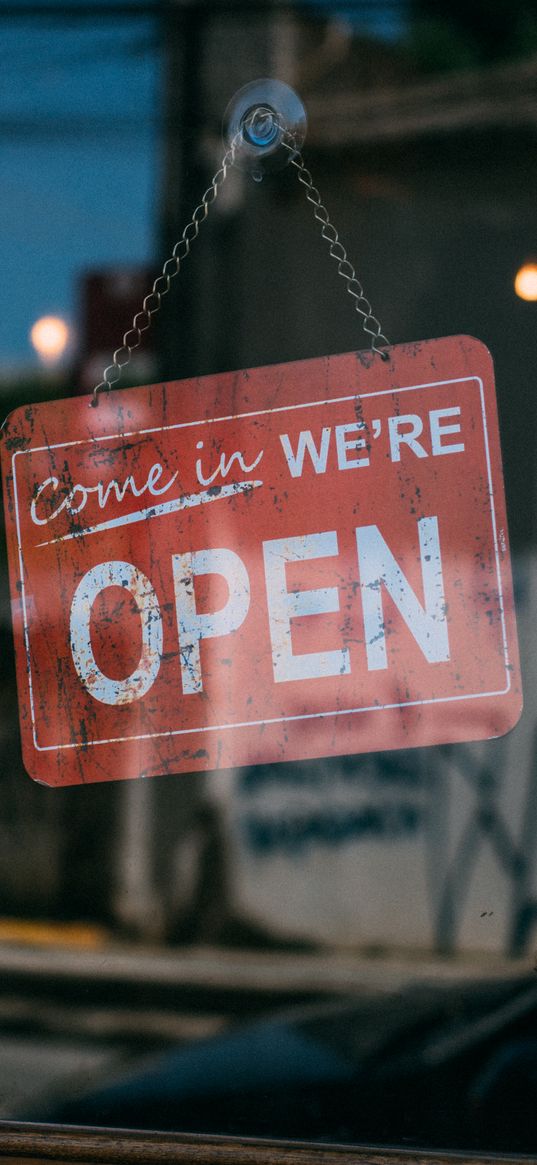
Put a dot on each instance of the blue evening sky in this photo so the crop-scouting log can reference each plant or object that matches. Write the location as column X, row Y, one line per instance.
column 79, row 160
column 79, row 163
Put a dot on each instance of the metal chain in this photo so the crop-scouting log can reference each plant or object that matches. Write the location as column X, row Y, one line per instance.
column 152, row 302
column 370, row 324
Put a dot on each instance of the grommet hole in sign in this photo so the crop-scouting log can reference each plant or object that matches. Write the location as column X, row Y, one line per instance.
column 266, row 565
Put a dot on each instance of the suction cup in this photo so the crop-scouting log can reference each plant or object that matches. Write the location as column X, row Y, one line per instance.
column 255, row 122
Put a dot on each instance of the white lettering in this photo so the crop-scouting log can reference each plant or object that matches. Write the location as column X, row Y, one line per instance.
column 378, row 568
column 284, row 606
column 397, row 438
column 103, row 492
column 194, row 627
column 100, row 686
column 224, row 466
column 318, row 457
column 438, row 431
column 53, row 481
column 343, row 445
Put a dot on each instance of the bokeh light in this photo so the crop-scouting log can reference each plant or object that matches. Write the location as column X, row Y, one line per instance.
column 526, row 282
column 50, row 336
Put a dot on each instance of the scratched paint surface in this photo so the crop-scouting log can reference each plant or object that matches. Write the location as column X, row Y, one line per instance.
column 294, row 561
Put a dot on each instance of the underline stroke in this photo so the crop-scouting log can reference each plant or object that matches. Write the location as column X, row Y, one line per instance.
column 182, row 503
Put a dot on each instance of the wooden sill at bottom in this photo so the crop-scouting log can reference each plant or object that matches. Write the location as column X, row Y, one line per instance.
column 27, row 1144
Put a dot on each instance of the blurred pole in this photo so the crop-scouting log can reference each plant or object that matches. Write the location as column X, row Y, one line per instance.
column 137, row 905
column 143, row 870
column 183, row 180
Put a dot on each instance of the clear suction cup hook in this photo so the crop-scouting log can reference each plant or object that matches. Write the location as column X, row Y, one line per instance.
column 264, row 128
column 255, row 122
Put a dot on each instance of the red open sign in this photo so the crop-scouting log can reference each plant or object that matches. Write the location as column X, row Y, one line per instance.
column 293, row 561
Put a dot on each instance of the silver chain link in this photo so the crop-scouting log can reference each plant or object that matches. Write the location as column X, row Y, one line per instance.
column 345, row 268
column 152, row 302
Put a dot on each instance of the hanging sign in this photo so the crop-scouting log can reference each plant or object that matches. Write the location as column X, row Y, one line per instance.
column 294, row 561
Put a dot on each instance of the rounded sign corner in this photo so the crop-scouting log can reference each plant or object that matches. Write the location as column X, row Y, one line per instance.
column 281, row 567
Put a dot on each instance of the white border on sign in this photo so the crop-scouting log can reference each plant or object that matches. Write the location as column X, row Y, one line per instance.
column 277, row 719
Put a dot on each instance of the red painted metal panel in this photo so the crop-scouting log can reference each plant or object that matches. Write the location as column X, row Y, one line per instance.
column 293, row 561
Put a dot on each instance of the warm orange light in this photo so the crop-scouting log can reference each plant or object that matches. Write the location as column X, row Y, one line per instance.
column 526, row 282
column 50, row 336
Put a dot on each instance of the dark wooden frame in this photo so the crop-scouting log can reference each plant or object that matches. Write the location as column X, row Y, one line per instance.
column 27, row 1144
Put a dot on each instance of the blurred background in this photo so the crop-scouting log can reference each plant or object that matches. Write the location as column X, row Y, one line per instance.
column 142, row 915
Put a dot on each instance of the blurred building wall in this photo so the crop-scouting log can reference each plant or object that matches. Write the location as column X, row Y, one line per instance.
column 430, row 185
column 429, row 849
column 432, row 188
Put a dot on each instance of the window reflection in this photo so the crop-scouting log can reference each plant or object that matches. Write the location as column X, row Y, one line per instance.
column 338, row 949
